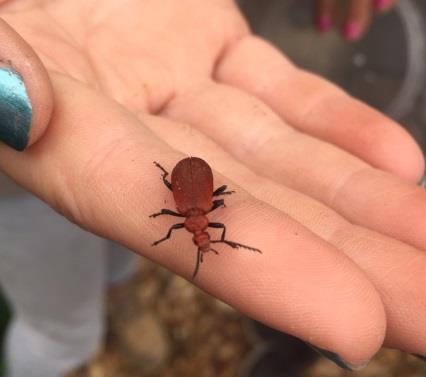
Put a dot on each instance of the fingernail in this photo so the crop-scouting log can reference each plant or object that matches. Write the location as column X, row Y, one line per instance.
column 352, row 30
column 381, row 4
column 422, row 182
column 423, row 358
column 335, row 358
column 15, row 109
column 324, row 23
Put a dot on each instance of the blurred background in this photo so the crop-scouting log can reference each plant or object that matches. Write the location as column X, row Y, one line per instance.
column 162, row 326
column 386, row 68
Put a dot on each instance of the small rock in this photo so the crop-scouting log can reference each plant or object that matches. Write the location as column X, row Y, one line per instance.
column 325, row 368
column 144, row 342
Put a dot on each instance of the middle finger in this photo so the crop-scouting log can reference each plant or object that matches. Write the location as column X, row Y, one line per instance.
column 253, row 133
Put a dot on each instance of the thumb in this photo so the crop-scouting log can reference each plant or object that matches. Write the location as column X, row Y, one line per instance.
column 25, row 91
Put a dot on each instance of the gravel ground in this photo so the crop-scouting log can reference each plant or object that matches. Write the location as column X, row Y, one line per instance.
column 162, row 326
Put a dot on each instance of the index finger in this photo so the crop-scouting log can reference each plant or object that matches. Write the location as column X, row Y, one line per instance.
column 102, row 177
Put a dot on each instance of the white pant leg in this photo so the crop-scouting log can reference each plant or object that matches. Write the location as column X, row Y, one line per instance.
column 122, row 263
column 54, row 274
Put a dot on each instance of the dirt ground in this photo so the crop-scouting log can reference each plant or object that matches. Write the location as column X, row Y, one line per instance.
column 162, row 326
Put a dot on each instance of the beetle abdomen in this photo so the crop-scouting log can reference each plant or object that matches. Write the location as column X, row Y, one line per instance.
column 192, row 185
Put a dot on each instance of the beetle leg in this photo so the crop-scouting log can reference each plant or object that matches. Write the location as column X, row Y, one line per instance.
column 221, row 226
column 217, row 203
column 176, row 226
column 233, row 244
column 164, row 175
column 222, row 191
column 166, row 212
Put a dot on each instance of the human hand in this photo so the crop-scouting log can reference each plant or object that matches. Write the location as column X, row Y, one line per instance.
column 326, row 186
column 356, row 15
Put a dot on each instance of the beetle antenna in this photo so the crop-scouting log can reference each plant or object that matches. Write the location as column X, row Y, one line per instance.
column 199, row 261
column 237, row 245
column 214, row 251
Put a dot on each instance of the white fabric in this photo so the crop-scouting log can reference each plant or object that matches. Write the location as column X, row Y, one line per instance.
column 55, row 276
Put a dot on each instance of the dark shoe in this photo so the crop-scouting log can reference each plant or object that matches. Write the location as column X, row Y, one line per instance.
column 4, row 319
column 275, row 354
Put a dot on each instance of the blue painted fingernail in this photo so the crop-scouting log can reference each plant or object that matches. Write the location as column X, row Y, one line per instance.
column 423, row 358
column 335, row 358
column 15, row 110
column 422, row 182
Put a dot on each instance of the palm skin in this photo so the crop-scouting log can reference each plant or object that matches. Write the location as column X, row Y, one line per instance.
column 327, row 185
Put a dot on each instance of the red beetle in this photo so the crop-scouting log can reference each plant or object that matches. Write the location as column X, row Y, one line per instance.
column 192, row 187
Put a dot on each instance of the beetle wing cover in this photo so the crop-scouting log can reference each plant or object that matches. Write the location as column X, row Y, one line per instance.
column 192, row 185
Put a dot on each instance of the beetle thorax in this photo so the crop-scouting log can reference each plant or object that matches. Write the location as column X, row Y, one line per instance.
column 196, row 221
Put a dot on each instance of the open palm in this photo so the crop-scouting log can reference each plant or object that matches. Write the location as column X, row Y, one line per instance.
column 325, row 185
